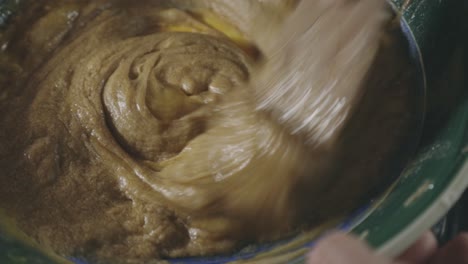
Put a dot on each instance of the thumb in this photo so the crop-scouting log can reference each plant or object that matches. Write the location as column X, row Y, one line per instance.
column 339, row 248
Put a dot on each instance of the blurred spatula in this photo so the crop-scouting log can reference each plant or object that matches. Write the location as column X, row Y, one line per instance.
column 316, row 63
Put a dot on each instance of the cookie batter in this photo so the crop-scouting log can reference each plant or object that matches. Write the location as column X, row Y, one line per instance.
column 128, row 133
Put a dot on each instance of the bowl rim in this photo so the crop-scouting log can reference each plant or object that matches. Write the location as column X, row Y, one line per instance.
column 446, row 198
column 449, row 196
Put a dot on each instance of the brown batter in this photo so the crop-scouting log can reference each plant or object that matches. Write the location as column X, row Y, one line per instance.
column 126, row 134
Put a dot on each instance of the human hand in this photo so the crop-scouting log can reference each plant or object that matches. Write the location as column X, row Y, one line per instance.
column 340, row 248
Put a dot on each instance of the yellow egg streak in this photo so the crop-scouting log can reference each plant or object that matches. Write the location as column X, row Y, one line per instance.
column 210, row 22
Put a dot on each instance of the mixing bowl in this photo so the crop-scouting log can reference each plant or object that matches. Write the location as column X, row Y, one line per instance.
column 429, row 185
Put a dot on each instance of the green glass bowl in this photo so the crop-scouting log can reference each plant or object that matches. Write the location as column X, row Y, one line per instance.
column 425, row 191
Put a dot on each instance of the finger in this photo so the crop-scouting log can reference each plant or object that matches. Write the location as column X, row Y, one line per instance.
column 339, row 248
column 455, row 252
column 421, row 251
